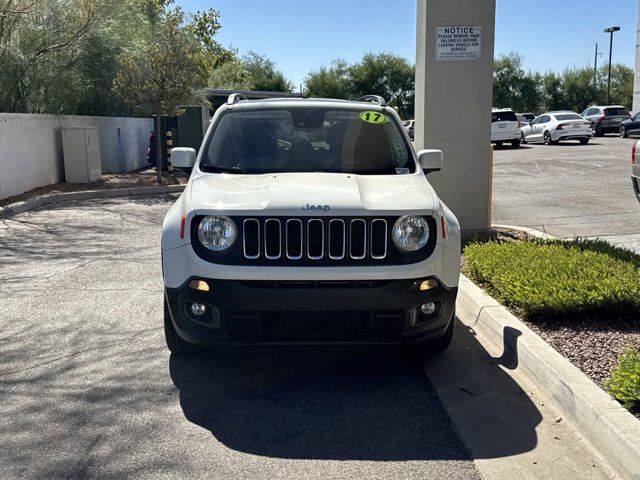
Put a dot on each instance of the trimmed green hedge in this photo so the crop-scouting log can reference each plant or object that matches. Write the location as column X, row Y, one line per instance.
column 624, row 383
column 542, row 279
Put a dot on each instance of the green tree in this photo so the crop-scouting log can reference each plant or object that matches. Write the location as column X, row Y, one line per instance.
column 513, row 87
column 553, row 96
column 251, row 72
column 388, row 75
column 37, row 39
column 264, row 75
column 621, row 84
column 332, row 82
column 163, row 75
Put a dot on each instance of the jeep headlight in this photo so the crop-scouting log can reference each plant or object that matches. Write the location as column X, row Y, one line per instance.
column 217, row 233
column 410, row 233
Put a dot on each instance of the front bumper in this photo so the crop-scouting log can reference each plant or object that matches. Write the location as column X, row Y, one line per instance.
column 310, row 312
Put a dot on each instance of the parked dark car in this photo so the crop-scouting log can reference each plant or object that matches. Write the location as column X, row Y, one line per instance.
column 529, row 116
column 522, row 119
column 606, row 119
column 409, row 126
column 630, row 127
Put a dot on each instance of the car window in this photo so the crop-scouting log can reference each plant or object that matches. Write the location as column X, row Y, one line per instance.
column 307, row 140
column 568, row 116
column 611, row 111
column 503, row 117
column 543, row 119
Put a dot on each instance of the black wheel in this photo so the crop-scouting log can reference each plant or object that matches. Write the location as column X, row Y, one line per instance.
column 515, row 143
column 623, row 132
column 523, row 140
column 176, row 344
column 584, row 141
column 439, row 345
column 547, row 139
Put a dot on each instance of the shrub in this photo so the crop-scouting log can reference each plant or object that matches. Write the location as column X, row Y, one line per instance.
column 558, row 278
column 624, row 383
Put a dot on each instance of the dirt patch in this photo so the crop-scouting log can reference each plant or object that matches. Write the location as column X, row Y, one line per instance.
column 138, row 178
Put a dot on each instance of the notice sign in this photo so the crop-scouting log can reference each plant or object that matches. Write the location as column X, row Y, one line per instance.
column 458, row 43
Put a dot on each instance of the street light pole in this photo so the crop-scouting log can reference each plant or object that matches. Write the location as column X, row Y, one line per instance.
column 610, row 31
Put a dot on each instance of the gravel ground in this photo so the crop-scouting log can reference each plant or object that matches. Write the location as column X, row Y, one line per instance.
column 139, row 178
column 592, row 346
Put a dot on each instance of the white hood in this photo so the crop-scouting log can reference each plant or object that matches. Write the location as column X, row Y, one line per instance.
column 292, row 193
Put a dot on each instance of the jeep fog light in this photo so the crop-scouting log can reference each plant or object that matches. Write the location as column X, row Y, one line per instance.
column 429, row 284
column 198, row 309
column 428, row 308
column 217, row 233
column 410, row 233
column 199, row 285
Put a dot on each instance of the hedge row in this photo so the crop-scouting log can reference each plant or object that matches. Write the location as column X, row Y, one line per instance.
column 558, row 279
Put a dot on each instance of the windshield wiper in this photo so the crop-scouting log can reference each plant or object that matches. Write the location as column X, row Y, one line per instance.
column 217, row 169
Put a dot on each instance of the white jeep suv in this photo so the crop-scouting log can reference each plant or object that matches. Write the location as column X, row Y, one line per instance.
column 308, row 221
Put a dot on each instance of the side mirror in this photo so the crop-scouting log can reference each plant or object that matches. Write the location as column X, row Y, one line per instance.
column 430, row 160
column 183, row 158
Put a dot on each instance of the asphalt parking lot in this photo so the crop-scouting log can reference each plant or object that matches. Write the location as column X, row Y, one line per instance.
column 569, row 189
column 89, row 390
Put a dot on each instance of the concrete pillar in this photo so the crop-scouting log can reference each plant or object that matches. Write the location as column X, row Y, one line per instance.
column 636, row 82
column 453, row 103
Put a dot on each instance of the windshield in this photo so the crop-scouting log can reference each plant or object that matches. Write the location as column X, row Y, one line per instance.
column 568, row 116
column 307, row 140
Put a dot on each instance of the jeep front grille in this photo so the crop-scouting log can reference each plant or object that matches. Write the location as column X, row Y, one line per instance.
column 314, row 239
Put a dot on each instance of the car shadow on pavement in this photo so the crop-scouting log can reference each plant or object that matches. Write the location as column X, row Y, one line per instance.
column 339, row 404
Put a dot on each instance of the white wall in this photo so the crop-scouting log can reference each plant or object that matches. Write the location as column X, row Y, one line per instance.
column 31, row 147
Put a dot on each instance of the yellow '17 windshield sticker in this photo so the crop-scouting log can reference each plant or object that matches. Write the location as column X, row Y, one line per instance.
column 373, row 117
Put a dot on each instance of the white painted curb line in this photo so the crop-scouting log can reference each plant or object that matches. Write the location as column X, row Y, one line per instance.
column 26, row 205
column 610, row 428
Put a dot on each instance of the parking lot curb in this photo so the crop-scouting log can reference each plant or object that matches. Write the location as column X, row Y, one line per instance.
column 529, row 231
column 609, row 427
column 32, row 203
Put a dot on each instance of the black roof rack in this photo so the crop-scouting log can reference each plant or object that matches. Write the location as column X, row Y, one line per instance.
column 235, row 98
column 373, row 98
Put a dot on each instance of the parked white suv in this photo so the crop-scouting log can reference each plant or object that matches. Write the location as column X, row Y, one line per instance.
column 308, row 221
column 505, row 127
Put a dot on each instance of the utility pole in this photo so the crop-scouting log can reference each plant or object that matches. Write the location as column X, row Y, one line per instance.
column 610, row 31
column 595, row 67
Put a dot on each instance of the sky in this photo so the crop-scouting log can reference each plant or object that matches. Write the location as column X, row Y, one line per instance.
column 301, row 36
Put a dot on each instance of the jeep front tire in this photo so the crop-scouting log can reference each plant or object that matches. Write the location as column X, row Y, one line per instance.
column 175, row 343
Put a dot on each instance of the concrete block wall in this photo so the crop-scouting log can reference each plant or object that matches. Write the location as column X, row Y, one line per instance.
column 31, row 147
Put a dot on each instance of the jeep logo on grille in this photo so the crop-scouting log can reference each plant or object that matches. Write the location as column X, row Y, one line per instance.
column 316, row 208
